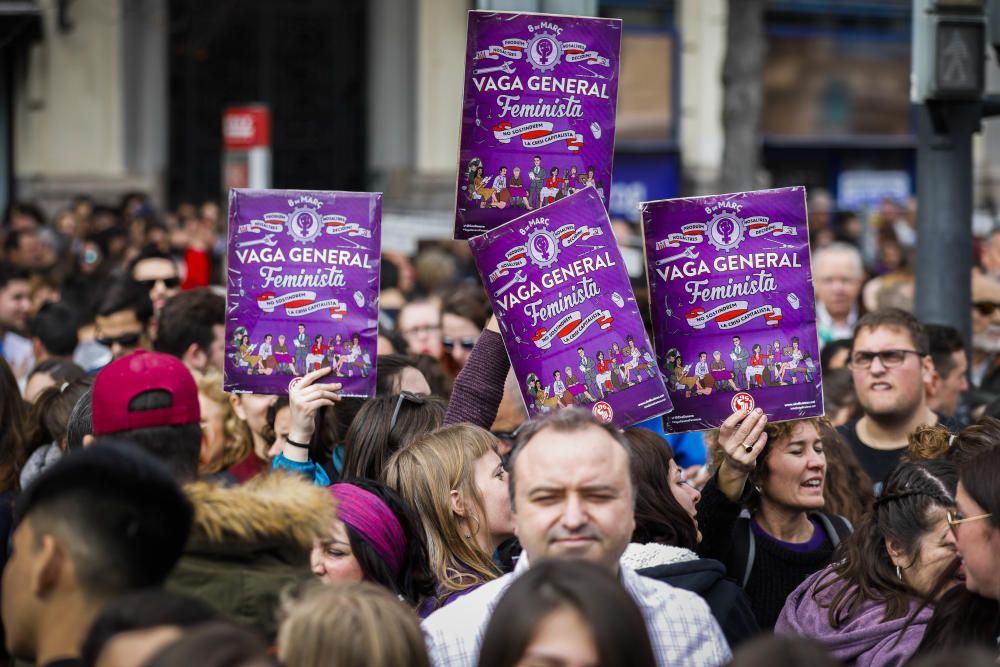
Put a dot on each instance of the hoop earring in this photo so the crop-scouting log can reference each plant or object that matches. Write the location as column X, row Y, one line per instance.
column 899, row 573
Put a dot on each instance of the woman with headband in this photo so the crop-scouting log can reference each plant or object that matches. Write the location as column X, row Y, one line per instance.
column 872, row 606
column 374, row 538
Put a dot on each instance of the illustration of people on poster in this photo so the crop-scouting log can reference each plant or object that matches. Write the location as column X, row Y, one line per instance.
column 303, row 285
column 538, row 117
column 567, row 313
column 731, row 295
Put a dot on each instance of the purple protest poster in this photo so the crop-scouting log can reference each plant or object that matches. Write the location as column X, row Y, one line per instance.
column 303, row 285
column 538, row 117
column 731, row 294
column 567, row 314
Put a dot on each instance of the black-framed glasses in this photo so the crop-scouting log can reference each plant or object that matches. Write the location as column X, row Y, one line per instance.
column 125, row 340
column 889, row 358
column 404, row 397
column 169, row 283
column 466, row 343
column 956, row 518
column 509, row 436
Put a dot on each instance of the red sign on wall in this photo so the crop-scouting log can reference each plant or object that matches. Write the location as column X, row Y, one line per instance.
column 246, row 127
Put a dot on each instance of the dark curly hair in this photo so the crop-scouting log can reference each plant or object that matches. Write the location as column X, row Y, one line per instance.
column 937, row 442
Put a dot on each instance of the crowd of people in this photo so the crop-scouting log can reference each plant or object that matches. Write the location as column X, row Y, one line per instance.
column 155, row 520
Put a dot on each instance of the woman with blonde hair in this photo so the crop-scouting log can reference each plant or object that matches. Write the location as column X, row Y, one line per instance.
column 454, row 480
column 226, row 441
column 346, row 625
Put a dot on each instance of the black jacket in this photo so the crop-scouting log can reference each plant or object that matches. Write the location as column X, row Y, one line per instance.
column 707, row 578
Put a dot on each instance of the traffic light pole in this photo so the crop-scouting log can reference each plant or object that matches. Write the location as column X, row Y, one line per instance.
column 944, row 213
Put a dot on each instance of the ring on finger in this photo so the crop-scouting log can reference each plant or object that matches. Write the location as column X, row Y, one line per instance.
column 748, row 447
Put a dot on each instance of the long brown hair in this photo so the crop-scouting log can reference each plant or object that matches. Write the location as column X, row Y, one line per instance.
column 659, row 517
column 13, row 427
column 848, row 490
column 424, row 474
column 902, row 515
column 373, row 437
column 49, row 416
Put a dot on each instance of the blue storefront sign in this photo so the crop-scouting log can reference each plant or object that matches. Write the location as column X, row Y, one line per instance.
column 642, row 177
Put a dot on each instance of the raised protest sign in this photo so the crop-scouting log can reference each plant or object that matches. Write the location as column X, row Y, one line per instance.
column 302, row 289
column 567, row 313
column 731, row 294
column 538, row 118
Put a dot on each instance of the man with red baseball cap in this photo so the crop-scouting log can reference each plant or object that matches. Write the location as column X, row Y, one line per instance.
column 248, row 543
column 151, row 400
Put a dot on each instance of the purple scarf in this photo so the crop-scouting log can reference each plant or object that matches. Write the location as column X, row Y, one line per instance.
column 371, row 518
column 865, row 640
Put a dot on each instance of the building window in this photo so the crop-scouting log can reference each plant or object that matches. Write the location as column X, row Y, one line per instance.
column 646, row 90
column 837, row 69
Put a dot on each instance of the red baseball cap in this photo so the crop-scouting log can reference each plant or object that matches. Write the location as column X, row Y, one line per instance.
column 124, row 379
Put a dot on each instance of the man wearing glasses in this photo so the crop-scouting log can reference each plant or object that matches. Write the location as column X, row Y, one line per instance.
column 511, row 416
column 419, row 322
column 891, row 367
column 158, row 273
column 122, row 318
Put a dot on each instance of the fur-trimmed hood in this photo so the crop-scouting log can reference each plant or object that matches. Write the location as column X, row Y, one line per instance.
column 279, row 509
column 249, row 543
column 640, row 556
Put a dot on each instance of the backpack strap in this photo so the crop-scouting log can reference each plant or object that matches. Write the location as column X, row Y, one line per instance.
column 837, row 527
column 744, row 542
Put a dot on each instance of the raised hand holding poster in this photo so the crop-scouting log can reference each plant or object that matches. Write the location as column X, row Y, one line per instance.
column 734, row 318
column 567, row 313
column 303, row 285
column 538, row 117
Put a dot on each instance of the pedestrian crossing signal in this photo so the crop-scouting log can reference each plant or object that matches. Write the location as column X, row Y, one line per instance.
column 949, row 51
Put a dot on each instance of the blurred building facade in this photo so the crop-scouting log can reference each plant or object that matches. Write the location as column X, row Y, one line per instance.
column 105, row 96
